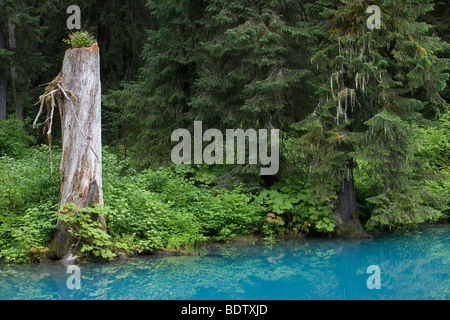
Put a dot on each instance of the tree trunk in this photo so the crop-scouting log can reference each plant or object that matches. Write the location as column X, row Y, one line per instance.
column 2, row 94
column 2, row 75
column 346, row 212
column 347, row 197
column 81, row 163
column 12, row 42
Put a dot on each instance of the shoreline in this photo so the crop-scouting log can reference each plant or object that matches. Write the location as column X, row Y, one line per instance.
column 238, row 240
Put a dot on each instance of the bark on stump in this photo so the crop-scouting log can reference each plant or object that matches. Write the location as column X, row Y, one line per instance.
column 81, row 163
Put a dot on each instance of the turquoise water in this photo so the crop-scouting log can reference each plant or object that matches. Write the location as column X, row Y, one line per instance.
column 413, row 265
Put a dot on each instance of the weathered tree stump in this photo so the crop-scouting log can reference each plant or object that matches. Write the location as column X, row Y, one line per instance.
column 81, row 163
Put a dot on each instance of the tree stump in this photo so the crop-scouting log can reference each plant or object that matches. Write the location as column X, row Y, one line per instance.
column 81, row 163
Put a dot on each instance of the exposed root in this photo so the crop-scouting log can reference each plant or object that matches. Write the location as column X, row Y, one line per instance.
column 51, row 93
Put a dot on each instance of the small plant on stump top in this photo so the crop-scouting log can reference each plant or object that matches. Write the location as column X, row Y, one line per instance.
column 80, row 39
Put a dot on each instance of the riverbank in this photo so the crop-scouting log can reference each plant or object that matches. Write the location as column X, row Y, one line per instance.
column 242, row 240
column 309, row 268
column 260, row 240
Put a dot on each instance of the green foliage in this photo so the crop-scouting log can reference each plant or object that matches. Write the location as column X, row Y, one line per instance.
column 28, row 203
column 165, row 208
column 253, row 64
column 87, row 231
column 207, row 211
column 148, row 211
column 80, row 39
column 230, row 214
column 119, row 27
column 248, row 65
column 14, row 140
column 24, row 238
column 27, row 181
column 295, row 205
column 434, row 143
column 231, row 65
column 138, row 218
column 431, row 150
column 27, row 59
column 434, row 149
column 380, row 87
column 5, row 58
column 340, row 93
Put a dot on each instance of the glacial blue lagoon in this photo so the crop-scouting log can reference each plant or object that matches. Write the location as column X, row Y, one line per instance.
column 413, row 265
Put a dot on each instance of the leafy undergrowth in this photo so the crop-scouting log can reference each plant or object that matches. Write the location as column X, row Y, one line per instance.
column 163, row 209
column 171, row 208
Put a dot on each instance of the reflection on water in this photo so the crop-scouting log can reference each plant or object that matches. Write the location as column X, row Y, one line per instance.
column 414, row 265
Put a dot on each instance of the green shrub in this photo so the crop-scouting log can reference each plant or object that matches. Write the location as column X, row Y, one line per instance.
column 88, row 232
column 27, row 181
column 29, row 196
column 231, row 213
column 435, row 148
column 80, row 39
column 14, row 140
column 216, row 213
column 292, row 207
column 24, row 238
column 141, row 215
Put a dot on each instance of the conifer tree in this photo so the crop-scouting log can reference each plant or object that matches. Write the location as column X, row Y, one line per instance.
column 33, row 33
column 156, row 105
column 378, row 87
column 3, row 55
column 254, row 66
column 254, row 72
column 27, row 62
column 239, row 64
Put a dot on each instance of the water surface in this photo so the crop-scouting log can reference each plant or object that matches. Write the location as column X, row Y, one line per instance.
column 413, row 265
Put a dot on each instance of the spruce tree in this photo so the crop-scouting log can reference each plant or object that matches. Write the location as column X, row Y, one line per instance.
column 254, row 72
column 3, row 55
column 239, row 64
column 27, row 63
column 156, row 104
column 378, row 86
column 254, row 66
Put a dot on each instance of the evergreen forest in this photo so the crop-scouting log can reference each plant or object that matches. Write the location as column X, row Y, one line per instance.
column 362, row 114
